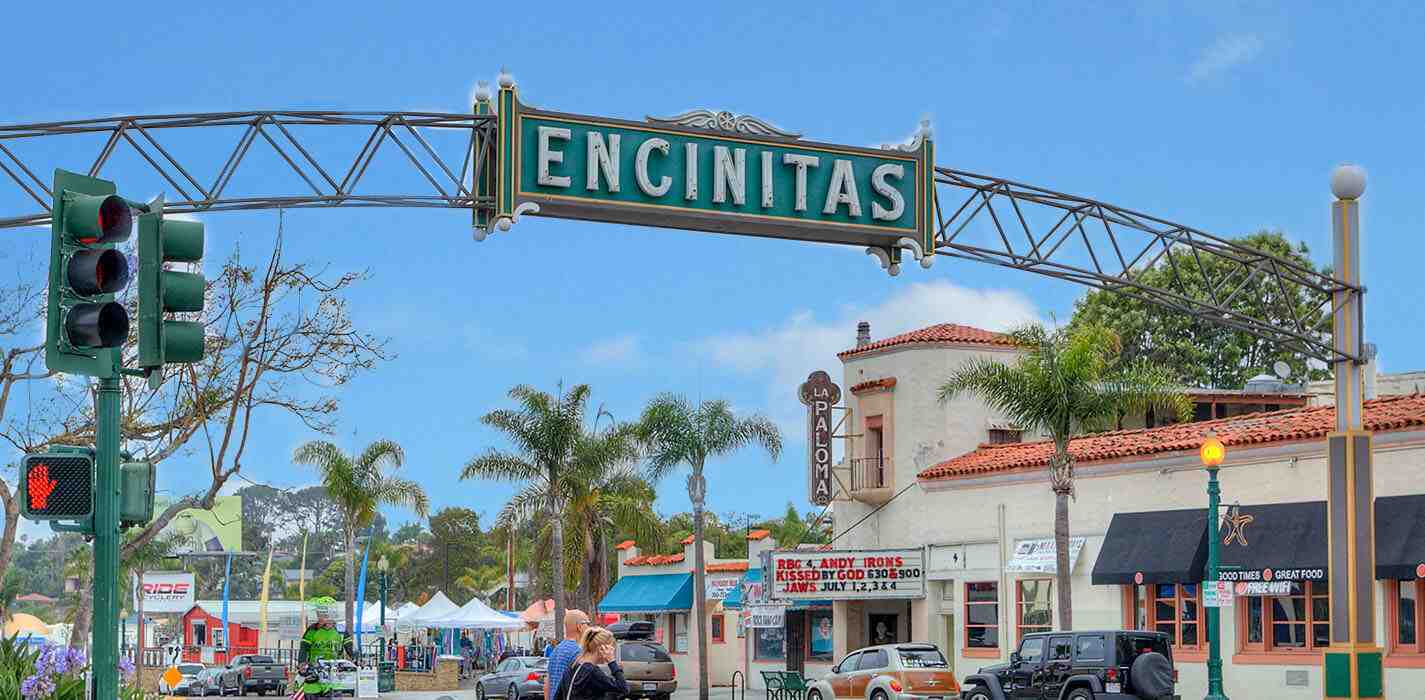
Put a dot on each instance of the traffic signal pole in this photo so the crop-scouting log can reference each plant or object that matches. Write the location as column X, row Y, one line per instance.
column 105, row 620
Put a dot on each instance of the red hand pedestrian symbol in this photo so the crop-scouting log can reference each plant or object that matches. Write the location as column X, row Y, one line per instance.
column 40, row 487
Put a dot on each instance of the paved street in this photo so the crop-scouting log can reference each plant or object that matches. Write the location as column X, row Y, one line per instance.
column 682, row 694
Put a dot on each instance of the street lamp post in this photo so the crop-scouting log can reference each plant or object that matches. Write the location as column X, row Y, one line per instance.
column 1212, row 454
column 381, row 566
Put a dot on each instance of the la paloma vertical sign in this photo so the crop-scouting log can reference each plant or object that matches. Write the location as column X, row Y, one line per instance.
column 819, row 394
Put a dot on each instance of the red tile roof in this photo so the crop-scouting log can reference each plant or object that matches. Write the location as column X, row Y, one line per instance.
column 726, row 566
column 626, row 544
column 1384, row 414
column 654, row 560
column 887, row 383
column 758, row 534
column 688, row 539
column 939, row 333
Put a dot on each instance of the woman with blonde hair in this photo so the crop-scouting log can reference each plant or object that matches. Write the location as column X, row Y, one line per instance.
column 586, row 681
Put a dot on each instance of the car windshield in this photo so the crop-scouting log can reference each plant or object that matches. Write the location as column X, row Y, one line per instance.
column 190, row 669
column 260, row 660
column 643, row 652
column 922, row 658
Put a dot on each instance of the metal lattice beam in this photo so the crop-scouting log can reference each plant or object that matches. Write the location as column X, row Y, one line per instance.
column 329, row 180
column 1092, row 243
column 1108, row 247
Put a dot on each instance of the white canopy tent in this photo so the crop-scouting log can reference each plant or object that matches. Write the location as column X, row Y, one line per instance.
column 476, row 615
column 437, row 607
column 407, row 609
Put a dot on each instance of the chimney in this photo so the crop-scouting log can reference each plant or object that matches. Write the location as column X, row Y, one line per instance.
column 863, row 334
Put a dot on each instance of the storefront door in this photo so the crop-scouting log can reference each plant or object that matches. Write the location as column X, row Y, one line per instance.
column 796, row 640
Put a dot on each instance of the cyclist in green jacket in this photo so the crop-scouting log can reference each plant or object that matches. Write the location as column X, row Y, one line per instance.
column 321, row 642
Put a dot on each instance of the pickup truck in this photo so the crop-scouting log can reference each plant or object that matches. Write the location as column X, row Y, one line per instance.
column 253, row 673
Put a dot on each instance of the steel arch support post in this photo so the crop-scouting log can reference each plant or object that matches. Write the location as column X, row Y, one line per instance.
column 1353, row 665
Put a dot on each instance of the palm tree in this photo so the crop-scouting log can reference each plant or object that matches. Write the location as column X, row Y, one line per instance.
column 359, row 485
column 1069, row 380
column 601, row 496
column 550, row 442
column 677, row 432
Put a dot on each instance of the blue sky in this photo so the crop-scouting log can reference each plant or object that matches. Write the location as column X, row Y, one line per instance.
column 1224, row 116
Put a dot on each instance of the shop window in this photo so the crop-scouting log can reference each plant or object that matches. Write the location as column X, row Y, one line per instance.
column 1174, row 609
column 982, row 615
column 769, row 643
column 1296, row 622
column 1035, row 609
column 1405, row 616
column 1004, row 437
column 822, row 642
column 718, row 634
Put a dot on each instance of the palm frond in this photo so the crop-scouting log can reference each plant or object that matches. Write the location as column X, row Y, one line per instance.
column 500, row 466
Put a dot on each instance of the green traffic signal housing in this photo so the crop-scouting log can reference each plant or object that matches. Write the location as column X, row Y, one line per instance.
column 84, row 325
column 136, row 481
column 163, row 291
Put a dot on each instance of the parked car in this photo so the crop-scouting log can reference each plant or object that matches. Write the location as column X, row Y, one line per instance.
column 647, row 668
column 1094, row 665
column 208, row 681
column 186, row 685
column 340, row 674
column 514, row 678
column 889, row 672
column 256, row 673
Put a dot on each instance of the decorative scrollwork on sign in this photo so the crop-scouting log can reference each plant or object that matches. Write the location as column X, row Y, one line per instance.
column 724, row 121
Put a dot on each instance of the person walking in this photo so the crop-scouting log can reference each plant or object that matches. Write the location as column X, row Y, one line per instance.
column 586, row 681
column 566, row 651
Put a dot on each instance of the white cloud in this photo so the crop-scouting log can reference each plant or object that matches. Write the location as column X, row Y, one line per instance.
column 1224, row 54
column 786, row 353
column 618, row 349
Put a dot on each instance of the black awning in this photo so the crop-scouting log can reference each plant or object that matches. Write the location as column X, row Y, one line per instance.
column 1287, row 539
column 1163, row 546
column 1400, row 537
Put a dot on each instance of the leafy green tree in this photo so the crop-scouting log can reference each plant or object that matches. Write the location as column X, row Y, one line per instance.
column 1201, row 353
column 551, row 441
column 359, row 485
column 679, row 433
column 1067, row 381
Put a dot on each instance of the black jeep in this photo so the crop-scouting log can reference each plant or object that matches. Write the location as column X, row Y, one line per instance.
column 1101, row 665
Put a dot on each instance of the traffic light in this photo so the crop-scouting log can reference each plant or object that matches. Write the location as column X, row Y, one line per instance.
column 164, row 291
column 57, row 485
column 84, row 325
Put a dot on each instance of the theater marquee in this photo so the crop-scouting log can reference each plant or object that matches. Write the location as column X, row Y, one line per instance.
column 848, row 574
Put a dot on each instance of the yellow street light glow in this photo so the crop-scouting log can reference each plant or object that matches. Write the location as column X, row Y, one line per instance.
column 1212, row 451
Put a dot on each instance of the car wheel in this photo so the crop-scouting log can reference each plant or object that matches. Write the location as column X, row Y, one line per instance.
column 813, row 694
column 513, row 693
column 479, row 691
column 878, row 695
column 1079, row 694
column 977, row 693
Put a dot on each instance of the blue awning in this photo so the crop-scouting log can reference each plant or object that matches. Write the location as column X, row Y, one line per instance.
column 733, row 601
column 650, row 593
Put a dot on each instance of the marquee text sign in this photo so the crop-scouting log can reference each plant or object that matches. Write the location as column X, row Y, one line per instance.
column 712, row 175
column 848, row 574
column 819, row 394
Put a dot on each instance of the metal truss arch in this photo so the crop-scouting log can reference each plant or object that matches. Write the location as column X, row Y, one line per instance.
column 978, row 217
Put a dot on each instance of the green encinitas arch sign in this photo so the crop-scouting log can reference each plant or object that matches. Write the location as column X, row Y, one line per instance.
column 707, row 171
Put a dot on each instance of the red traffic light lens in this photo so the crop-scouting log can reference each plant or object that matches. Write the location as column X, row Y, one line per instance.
column 115, row 219
column 98, row 272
